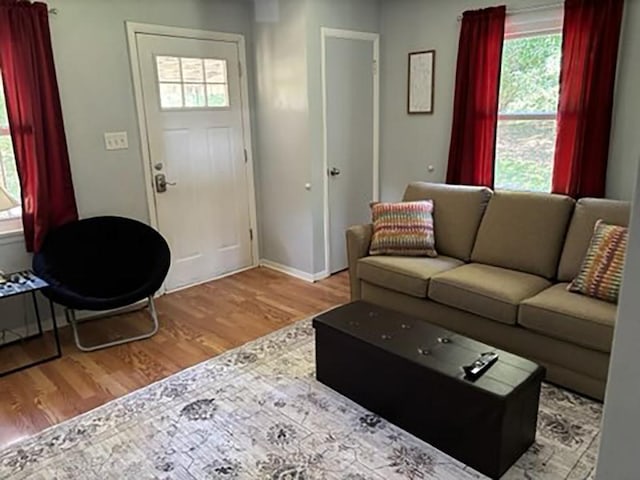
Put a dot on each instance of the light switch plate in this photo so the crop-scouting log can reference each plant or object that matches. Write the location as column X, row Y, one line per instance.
column 116, row 140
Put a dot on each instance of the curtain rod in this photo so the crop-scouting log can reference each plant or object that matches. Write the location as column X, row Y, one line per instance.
column 52, row 11
column 533, row 8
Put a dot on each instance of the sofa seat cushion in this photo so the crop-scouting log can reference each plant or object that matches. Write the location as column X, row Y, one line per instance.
column 571, row 317
column 485, row 290
column 408, row 275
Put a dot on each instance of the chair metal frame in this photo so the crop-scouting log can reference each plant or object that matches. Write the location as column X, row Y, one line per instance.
column 70, row 315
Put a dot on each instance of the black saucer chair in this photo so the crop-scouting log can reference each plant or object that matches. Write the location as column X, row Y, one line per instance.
column 103, row 263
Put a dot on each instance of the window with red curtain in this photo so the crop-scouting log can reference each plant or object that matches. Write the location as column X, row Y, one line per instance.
column 475, row 109
column 576, row 151
column 35, row 119
column 591, row 35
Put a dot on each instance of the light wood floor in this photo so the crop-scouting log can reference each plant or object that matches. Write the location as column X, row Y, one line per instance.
column 196, row 324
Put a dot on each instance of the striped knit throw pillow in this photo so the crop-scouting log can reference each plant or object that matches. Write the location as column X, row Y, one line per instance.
column 601, row 272
column 404, row 228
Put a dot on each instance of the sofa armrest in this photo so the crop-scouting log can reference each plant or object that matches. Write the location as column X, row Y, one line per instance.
column 358, row 241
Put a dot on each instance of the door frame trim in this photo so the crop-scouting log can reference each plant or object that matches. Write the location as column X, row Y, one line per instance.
column 348, row 35
column 134, row 28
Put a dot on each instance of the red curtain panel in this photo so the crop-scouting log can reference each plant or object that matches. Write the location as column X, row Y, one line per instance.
column 35, row 119
column 591, row 35
column 475, row 108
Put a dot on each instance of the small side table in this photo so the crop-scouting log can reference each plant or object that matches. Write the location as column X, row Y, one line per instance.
column 24, row 283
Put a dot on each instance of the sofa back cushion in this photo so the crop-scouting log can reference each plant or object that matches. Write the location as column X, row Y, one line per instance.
column 523, row 231
column 587, row 212
column 457, row 211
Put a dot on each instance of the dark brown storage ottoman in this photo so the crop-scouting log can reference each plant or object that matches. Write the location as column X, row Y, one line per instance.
column 409, row 372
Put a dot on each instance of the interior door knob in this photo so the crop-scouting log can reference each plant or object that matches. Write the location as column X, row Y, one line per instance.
column 334, row 172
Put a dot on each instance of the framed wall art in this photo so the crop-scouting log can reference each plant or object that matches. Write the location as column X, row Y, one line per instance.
column 421, row 82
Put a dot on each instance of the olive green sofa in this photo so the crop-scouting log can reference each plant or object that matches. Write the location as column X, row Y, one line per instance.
column 505, row 260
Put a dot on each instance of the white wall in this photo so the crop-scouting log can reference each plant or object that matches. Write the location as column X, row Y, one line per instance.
column 411, row 143
column 289, row 123
column 94, row 76
column 620, row 444
column 282, row 149
column 92, row 62
column 13, row 257
column 625, row 141
column 361, row 15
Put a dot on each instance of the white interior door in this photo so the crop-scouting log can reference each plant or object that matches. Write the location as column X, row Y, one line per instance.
column 351, row 135
column 192, row 102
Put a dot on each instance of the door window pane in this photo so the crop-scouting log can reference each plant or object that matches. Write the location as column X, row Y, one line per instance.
column 192, row 70
column 194, row 95
column 216, row 70
column 217, row 95
column 168, row 69
column 171, row 95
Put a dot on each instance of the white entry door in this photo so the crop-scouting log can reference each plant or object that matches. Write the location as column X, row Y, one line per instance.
column 193, row 111
column 351, row 96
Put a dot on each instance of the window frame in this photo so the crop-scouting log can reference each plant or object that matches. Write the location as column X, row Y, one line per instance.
column 13, row 224
column 527, row 25
column 9, row 226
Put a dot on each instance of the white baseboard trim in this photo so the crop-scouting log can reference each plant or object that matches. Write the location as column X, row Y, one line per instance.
column 16, row 333
column 294, row 272
column 22, row 331
column 321, row 275
column 224, row 275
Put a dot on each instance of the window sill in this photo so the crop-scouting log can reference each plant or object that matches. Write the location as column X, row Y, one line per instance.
column 10, row 235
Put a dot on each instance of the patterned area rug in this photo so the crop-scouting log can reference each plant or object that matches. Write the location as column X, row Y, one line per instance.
column 257, row 412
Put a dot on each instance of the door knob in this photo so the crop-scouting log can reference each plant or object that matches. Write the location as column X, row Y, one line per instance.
column 334, row 172
column 161, row 182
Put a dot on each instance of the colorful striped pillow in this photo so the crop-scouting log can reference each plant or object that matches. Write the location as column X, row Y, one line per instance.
column 404, row 228
column 601, row 272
